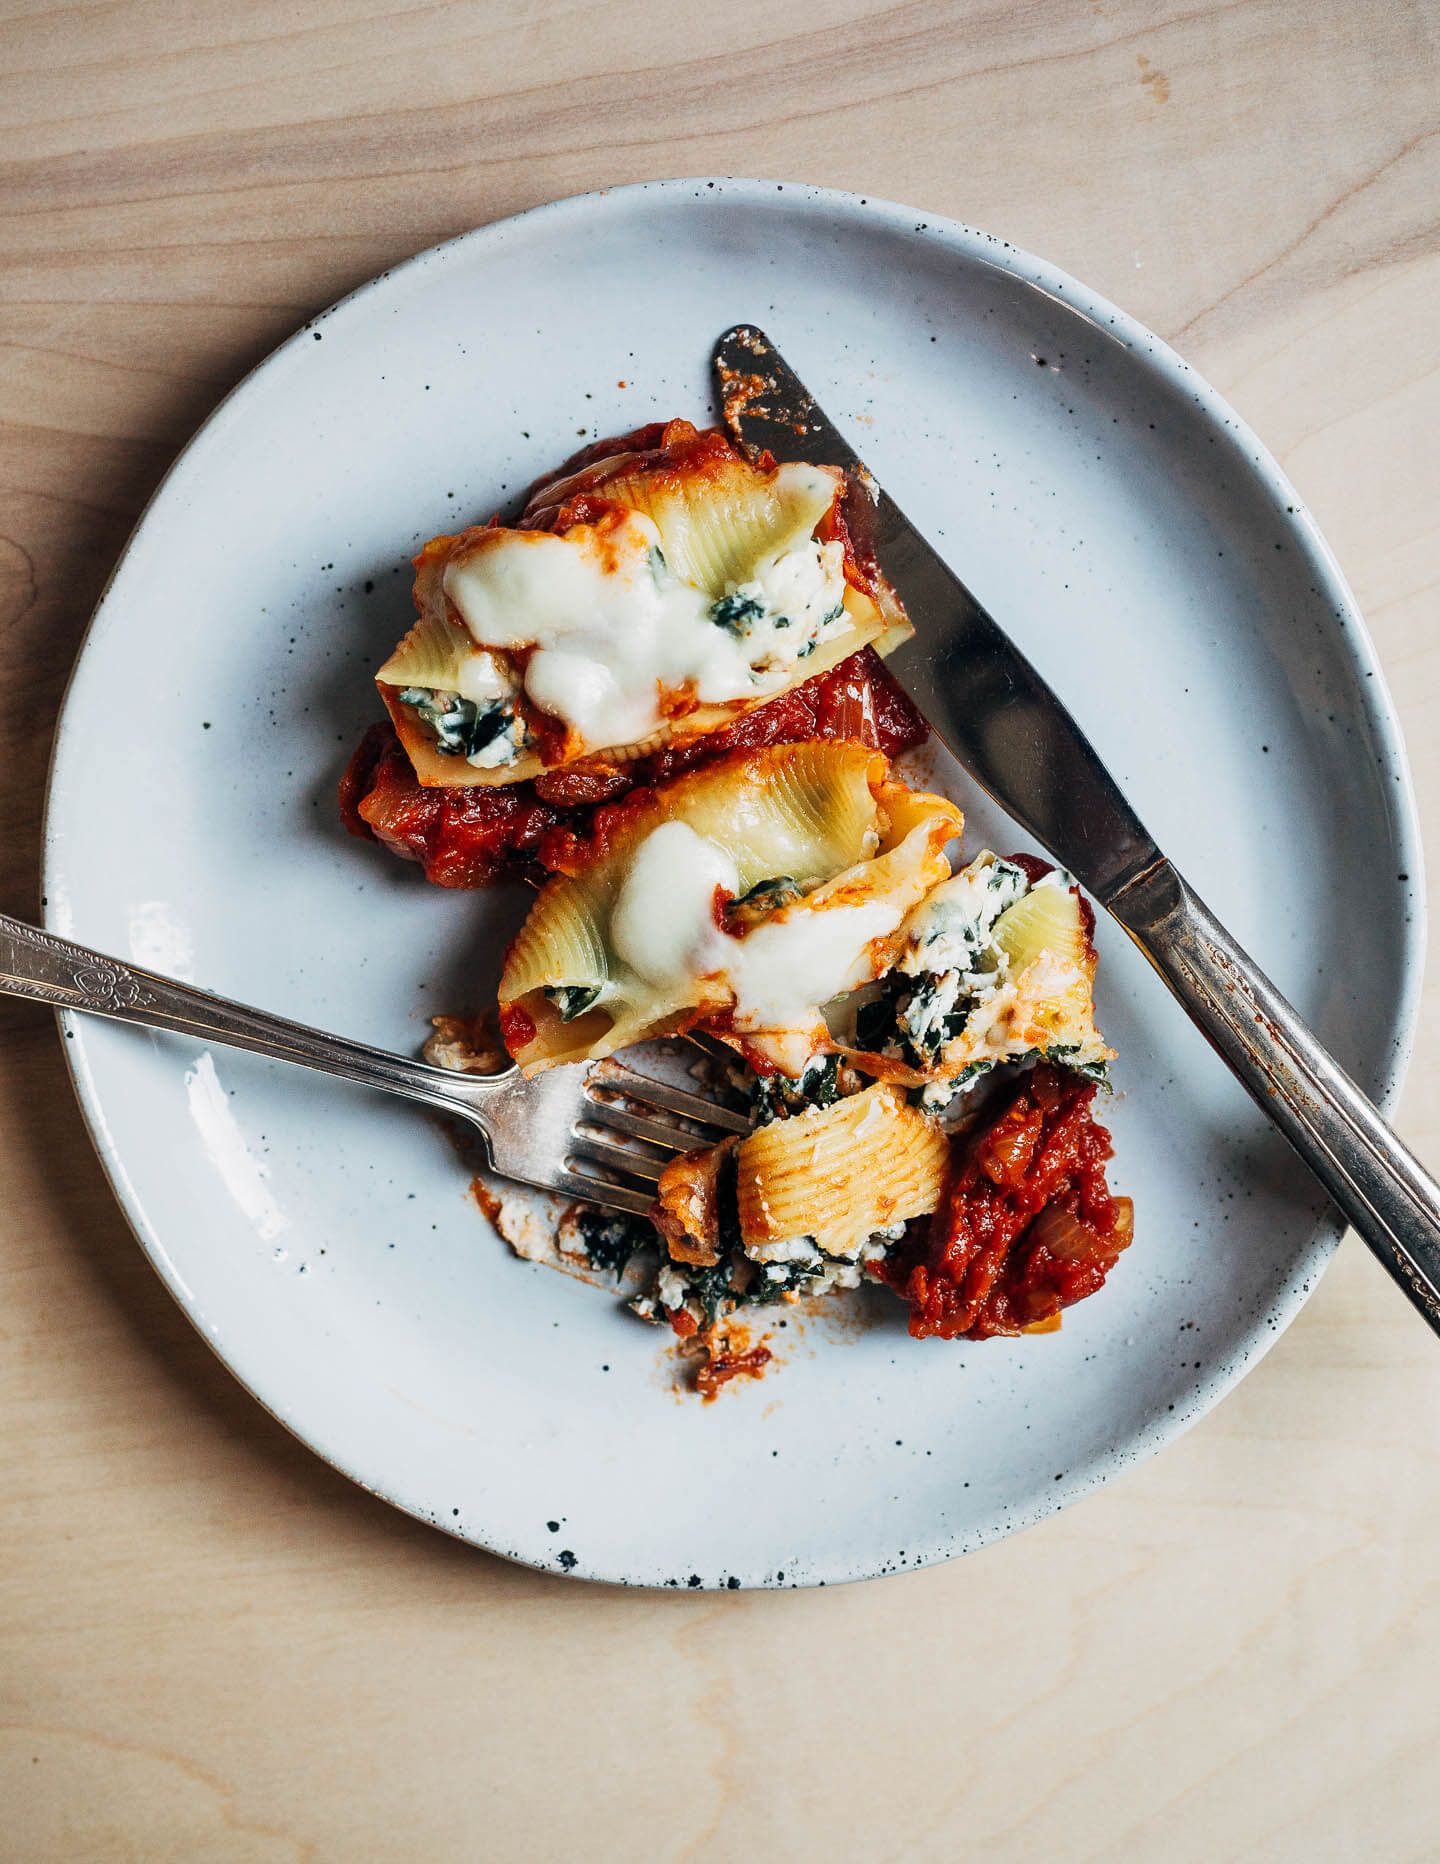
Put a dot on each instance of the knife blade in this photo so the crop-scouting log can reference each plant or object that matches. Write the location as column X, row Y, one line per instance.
column 1018, row 741
column 986, row 701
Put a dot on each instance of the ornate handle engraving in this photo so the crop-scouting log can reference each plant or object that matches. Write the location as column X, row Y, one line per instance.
column 36, row 964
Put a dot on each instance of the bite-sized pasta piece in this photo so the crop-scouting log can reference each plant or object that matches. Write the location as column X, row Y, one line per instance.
column 828, row 1179
column 738, row 898
column 649, row 594
column 838, row 1174
column 689, row 1201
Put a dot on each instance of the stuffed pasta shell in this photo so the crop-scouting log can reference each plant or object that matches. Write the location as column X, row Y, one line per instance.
column 997, row 966
column 656, row 589
column 737, row 899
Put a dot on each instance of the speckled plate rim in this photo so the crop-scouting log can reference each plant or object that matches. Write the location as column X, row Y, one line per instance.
column 572, row 216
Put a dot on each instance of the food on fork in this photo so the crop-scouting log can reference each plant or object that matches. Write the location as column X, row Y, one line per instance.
column 661, row 688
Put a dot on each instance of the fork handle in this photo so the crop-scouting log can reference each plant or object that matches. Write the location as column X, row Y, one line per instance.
column 57, row 971
column 1378, row 1183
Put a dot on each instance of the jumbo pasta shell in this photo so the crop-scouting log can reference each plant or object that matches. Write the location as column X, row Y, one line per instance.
column 865, row 626
column 432, row 654
column 823, row 814
column 808, row 813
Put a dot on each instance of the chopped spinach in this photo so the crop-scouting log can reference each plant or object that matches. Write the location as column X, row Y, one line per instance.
column 935, row 1096
column 914, row 1018
column 772, row 894
column 1063, row 1054
column 612, row 1238
column 778, row 1096
column 741, row 610
column 764, row 898
column 465, row 727
column 778, row 1279
column 932, row 1014
column 875, row 1020
column 572, row 1000
column 736, row 611
column 711, row 1288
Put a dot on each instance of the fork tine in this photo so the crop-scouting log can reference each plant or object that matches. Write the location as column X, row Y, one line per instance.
column 617, row 1157
column 658, row 1132
column 650, row 1092
column 601, row 1191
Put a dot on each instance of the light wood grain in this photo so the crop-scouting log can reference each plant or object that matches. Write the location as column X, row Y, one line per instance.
column 211, row 1646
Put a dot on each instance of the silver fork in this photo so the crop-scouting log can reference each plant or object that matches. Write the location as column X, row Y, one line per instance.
column 543, row 1130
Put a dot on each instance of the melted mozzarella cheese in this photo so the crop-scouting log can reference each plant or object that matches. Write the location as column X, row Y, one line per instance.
column 663, row 919
column 784, row 969
column 662, row 928
column 481, row 678
column 612, row 628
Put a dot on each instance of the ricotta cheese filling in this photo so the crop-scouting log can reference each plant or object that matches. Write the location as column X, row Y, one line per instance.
column 950, row 930
column 961, row 998
column 768, row 1272
column 611, row 628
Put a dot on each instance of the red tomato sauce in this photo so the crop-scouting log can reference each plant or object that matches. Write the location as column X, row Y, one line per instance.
column 462, row 838
column 574, row 493
column 469, row 837
column 1026, row 1225
column 517, row 1028
column 724, row 1365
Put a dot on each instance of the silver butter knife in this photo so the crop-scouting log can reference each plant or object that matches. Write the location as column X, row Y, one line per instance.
column 1018, row 742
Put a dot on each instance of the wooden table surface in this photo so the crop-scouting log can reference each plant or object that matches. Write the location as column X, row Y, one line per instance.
column 211, row 1645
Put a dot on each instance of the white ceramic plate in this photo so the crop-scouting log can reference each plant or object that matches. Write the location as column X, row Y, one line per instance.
column 1142, row 548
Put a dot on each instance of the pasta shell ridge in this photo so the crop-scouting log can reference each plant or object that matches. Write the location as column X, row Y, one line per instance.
column 1048, row 918
column 840, row 1173
column 432, row 654
column 561, row 941
column 716, row 525
column 805, row 811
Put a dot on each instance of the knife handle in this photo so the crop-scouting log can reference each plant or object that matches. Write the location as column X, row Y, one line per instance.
column 1383, row 1190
